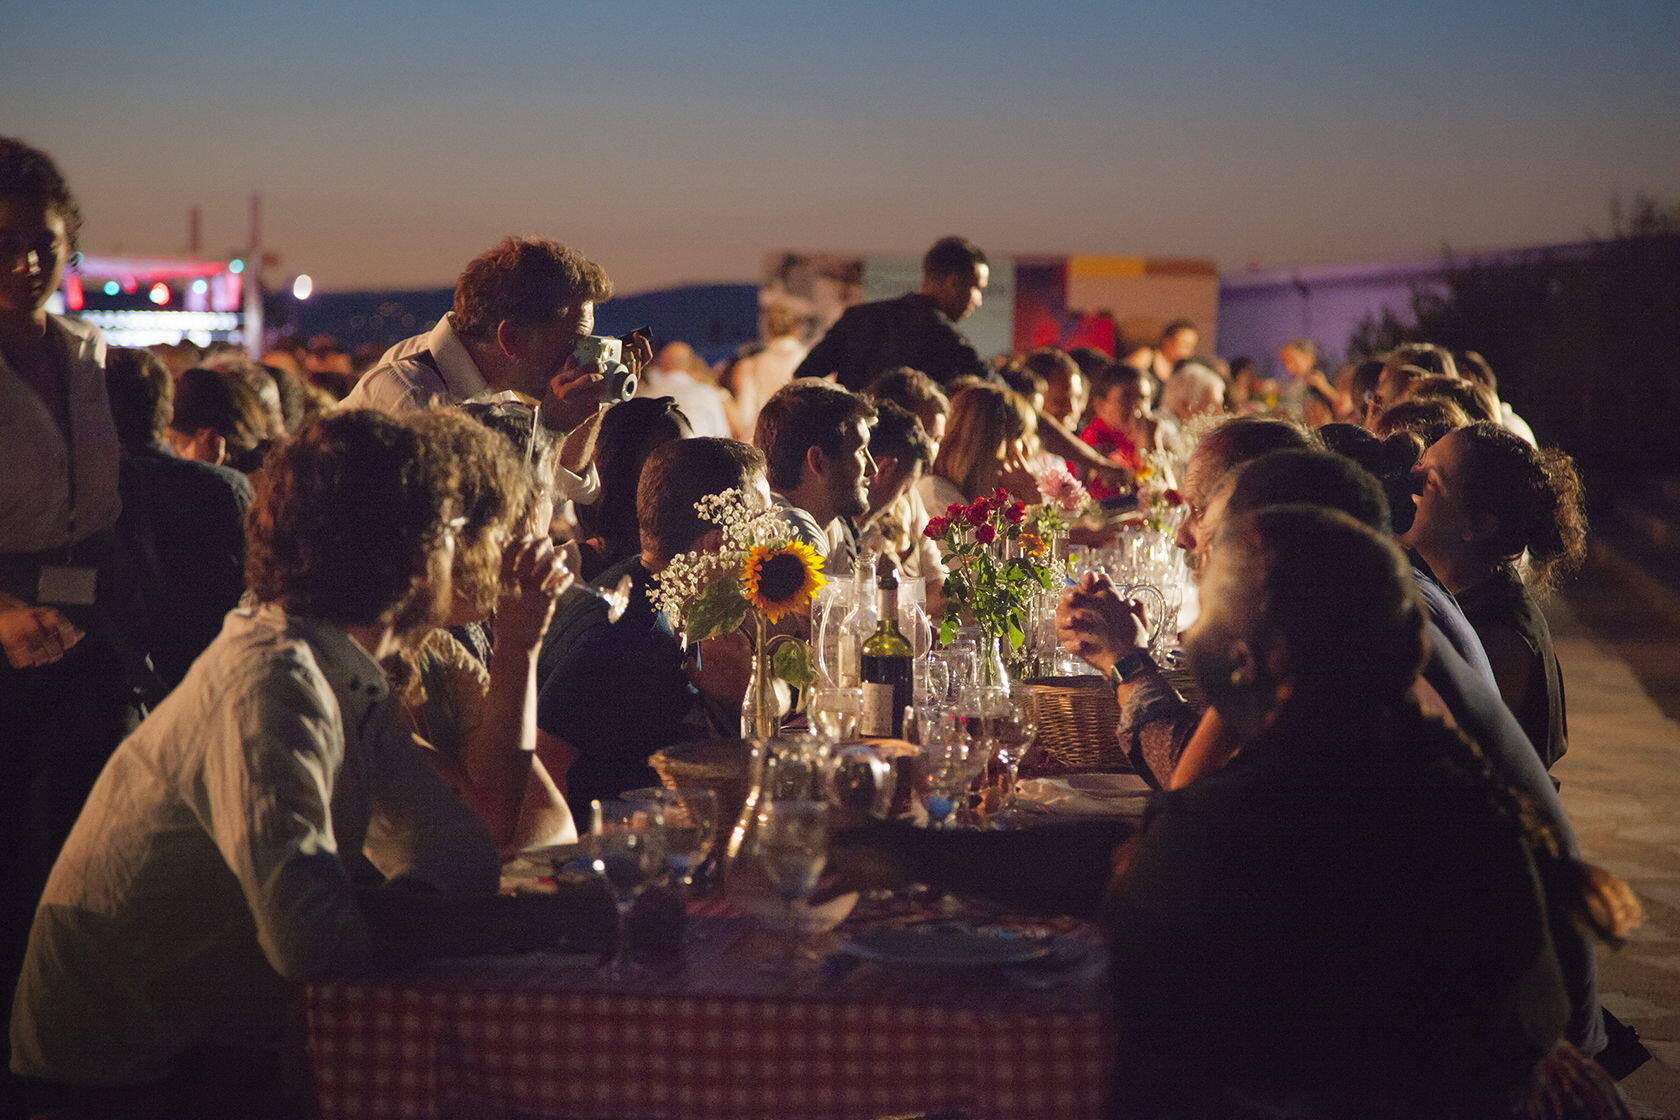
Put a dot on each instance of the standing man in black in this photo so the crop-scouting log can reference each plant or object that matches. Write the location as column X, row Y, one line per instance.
column 917, row 330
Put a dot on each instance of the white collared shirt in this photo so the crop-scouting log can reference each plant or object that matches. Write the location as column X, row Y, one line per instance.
column 35, row 510
column 207, row 864
column 400, row 382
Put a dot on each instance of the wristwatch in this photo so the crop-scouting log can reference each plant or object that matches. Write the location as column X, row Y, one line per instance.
column 1128, row 667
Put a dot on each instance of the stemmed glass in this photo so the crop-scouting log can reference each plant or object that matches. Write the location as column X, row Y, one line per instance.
column 835, row 713
column 1015, row 731
column 629, row 842
column 691, row 825
column 792, row 849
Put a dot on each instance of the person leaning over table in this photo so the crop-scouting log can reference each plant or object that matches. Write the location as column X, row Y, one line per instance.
column 272, row 822
column 1284, row 945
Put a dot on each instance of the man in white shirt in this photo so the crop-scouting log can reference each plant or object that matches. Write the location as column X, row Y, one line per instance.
column 815, row 437
column 520, row 309
column 237, row 840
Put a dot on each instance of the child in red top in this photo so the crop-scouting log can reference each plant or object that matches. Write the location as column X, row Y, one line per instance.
column 1121, row 427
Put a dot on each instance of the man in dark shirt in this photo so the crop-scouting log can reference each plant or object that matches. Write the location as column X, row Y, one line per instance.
column 182, row 525
column 917, row 330
column 613, row 693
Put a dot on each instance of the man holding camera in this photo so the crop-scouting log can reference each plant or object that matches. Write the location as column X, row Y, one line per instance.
column 521, row 309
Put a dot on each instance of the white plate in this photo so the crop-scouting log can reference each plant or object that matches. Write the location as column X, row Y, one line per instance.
column 946, row 946
column 1106, row 785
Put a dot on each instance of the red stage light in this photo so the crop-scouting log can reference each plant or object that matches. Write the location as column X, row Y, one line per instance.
column 160, row 293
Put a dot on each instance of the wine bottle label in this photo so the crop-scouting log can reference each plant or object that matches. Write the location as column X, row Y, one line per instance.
column 877, row 718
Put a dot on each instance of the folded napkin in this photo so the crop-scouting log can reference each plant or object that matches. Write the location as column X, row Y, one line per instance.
column 1085, row 795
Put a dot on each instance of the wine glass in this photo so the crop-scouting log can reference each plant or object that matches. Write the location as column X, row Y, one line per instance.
column 691, row 823
column 792, row 848
column 629, row 842
column 835, row 712
column 1016, row 730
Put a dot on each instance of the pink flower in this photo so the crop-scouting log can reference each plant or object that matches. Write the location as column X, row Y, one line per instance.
column 999, row 498
column 1060, row 489
column 1016, row 513
column 936, row 527
column 955, row 510
column 978, row 512
column 985, row 534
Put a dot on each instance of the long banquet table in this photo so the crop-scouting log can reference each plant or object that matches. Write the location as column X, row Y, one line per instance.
column 721, row 1039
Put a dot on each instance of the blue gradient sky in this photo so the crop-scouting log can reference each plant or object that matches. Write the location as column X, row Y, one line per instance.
column 679, row 142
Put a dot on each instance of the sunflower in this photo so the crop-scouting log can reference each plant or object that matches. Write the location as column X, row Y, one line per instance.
column 781, row 578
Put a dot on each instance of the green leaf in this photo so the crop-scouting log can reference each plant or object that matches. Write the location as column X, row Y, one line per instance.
column 717, row 610
column 1016, row 637
column 792, row 663
column 948, row 630
column 1044, row 579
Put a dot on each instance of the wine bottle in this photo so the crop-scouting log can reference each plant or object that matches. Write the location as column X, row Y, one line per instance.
column 886, row 665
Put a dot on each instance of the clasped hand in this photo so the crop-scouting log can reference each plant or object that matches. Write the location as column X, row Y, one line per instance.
column 1093, row 622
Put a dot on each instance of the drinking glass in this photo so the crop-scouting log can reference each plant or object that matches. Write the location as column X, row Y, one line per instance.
column 792, row 848
column 835, row 712
column 1016, row 731
column 947, row 753
column 691, row 821
column 629, row 843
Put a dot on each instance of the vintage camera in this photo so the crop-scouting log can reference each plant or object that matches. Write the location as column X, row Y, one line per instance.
column 606, row 356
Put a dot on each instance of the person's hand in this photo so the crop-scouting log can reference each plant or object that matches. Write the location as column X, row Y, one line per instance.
column 1016, row 476
column 638, row 352
column 533, row 577
column 1093, row 622
column 574, row 395
column 35, row 635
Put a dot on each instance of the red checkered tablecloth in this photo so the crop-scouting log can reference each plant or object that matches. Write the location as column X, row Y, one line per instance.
column 722, row 1039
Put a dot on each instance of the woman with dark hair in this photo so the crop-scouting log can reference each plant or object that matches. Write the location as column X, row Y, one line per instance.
column 629, row 432
column 1497, row 520
column 65, row 693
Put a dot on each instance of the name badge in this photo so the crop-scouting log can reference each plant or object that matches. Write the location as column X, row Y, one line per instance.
column 69, row 587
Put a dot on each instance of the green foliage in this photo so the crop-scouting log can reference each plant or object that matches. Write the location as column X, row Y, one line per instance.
column 719, row 609
column 791, row 661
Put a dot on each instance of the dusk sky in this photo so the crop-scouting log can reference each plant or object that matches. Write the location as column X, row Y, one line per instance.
column 679, row 142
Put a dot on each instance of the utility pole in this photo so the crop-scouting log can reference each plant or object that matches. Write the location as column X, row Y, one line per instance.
column 253, row 281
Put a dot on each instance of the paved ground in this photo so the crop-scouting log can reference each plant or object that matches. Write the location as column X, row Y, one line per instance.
column 1617, row 629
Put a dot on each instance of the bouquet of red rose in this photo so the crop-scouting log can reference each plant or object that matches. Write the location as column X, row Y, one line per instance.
column 994, row 565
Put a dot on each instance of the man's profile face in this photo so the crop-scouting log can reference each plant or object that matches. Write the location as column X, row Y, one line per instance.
column 891, row 482
column 960, row 294
column 849, row 473
column 543, row 348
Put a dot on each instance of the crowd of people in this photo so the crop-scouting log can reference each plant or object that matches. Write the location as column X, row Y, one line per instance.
column 293, row 659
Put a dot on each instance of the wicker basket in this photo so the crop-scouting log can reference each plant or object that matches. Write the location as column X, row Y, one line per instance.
column 721, row 765
column 1076, row 722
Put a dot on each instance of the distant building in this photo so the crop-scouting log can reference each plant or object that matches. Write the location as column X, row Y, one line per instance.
column 1260, row 309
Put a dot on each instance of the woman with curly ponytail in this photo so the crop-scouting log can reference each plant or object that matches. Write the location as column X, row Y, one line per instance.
column 1497, row 521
